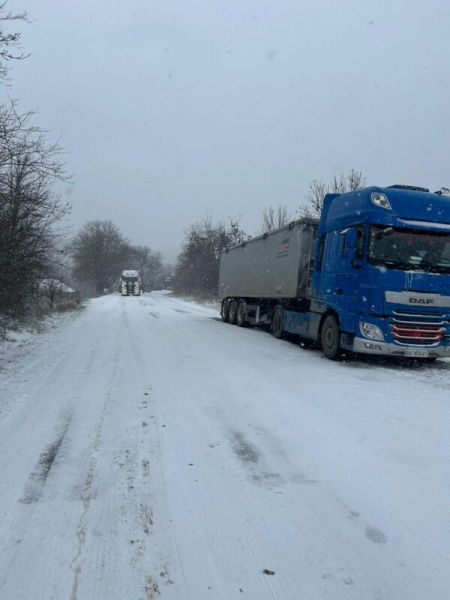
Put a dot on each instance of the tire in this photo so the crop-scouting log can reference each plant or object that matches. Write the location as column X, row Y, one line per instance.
column 224, row 311
column 330, row 338
column 240, row 316
column 232, row 312
column 278, row 322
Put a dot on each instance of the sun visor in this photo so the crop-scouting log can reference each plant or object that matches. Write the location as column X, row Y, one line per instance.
column 424, row 225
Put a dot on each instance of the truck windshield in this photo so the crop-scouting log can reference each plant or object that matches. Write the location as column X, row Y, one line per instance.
column 132, row 279
column 409, row 249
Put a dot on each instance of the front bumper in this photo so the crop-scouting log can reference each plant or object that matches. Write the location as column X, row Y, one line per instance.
column 366, row 346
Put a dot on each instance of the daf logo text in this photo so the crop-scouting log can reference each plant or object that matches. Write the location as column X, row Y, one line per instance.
column 421, row 301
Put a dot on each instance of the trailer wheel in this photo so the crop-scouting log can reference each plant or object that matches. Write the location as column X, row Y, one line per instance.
column 232, row 311
column 278, row 322
column 224, row 311
column 241, row 310
column 330, row 338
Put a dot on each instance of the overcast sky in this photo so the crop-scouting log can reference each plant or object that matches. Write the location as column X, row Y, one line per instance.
column 170, row 109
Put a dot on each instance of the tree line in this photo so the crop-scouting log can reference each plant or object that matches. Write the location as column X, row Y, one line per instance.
column 35, row 259
column 31, row 210
column 99, row 254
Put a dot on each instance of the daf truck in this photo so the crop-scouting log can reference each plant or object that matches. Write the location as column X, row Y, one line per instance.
column 371, row 276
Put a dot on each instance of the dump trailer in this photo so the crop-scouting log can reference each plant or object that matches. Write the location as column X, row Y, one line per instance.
column 371, row 276
column 130, row 283
column 268, row 270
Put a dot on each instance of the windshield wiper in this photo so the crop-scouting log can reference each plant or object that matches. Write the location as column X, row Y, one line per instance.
column 432, row 267
column 427, row 263
column 399, row 264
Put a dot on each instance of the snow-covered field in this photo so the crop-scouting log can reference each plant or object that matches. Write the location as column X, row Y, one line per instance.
column 147, row 450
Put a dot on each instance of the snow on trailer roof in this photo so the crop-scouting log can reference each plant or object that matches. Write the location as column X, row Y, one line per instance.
column 290, row 225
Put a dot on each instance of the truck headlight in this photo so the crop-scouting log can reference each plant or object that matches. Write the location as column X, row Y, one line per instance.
column 371, row 331
column 380, row 200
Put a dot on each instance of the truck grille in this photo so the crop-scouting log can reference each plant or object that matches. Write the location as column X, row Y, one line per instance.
column 418, row 329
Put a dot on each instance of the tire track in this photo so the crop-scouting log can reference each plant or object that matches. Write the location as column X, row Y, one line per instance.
column 85, row 497
column 34, row 488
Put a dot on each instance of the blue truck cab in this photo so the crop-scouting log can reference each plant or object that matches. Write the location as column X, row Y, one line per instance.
column 381, row 278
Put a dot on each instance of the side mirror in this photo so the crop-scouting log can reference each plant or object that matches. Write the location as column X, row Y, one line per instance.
column 351, row 243
column 349, row 255
column 351, row 238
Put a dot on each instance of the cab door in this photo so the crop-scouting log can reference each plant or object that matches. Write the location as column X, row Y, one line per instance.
column 331, row 267
column 348, row 282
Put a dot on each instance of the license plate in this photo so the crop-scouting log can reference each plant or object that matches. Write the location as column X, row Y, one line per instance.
column 417, row 353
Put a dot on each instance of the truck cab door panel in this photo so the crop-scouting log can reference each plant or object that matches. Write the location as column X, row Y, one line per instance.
column 340, row 275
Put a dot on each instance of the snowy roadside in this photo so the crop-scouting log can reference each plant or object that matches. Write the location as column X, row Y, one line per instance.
column 213, row 303
column 355, row 360
column 16, row 342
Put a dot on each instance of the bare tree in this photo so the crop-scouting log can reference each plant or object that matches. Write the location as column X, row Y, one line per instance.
column 10, row 45
column 30, row 209
column 100, row 253
column 51, row 289
column 167, row 274
column 148, row 263
column 197, row 268
column 340, row 184
column 274, row 218
column 314, row 199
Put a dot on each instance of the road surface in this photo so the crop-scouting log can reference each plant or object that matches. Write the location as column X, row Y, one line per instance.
column 148, row 450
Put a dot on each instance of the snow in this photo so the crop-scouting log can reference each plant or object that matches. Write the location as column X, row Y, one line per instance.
column 130, row 274
column 149, row 450
column 48, row 284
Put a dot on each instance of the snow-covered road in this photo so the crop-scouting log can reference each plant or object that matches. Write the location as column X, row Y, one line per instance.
column 147, row 450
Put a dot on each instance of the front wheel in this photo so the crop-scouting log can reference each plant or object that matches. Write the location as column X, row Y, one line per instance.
column 330, row 338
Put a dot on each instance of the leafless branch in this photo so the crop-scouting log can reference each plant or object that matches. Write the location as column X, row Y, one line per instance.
column 340, row 184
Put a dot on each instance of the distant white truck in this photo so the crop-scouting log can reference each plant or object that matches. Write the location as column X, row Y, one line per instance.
column 130, row 283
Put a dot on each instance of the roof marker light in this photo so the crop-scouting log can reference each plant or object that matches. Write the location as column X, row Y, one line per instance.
column 443, row 192
column 380, row 200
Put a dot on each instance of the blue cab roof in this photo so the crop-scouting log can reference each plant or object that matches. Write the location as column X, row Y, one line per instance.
column 344, row 210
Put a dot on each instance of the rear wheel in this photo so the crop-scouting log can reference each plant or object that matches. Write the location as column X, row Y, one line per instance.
column 330, row 338
column 241, row 312
column 232, row 312
column 224, row 311
column 277, row 322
